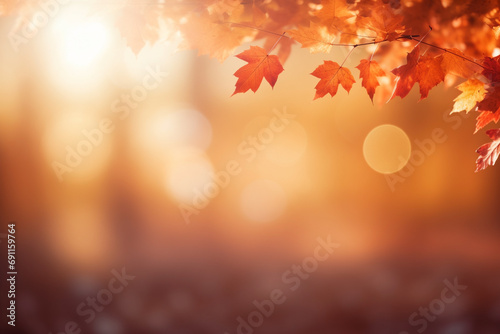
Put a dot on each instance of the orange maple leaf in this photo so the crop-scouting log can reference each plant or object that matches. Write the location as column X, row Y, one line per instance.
column 425, row 70
column 211, row 36
column 369, row 71
column 385, row 24
column 258, row 16
column 472, row 92
column 260, row 65
column 489, row 152
column 225, row 8
column 334, row 14
column 138, row 26
column 331, row 75
column 453, row 64
column 315, row 37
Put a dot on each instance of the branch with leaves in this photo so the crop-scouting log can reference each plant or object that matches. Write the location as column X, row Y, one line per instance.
column 462, row 44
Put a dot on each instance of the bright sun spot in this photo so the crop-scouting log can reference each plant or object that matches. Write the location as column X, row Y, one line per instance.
column 85, row 43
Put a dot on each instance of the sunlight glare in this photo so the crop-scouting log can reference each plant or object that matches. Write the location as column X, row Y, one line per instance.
column 83, row 44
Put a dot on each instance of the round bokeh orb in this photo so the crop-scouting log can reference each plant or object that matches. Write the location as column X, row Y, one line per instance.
column 387, row 149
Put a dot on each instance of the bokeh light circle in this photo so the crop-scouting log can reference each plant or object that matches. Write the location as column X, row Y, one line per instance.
column 387, row 149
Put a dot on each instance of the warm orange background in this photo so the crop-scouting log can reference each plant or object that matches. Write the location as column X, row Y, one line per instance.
column 119, row 208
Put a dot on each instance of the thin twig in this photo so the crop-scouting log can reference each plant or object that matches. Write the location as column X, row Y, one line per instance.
column 276, row 43
column 374, row 42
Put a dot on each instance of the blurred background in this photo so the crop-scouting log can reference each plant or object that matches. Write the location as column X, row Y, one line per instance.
column 406, row 216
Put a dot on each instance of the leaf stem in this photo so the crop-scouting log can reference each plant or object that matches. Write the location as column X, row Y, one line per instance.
column 373, row 53
column 342, row 65
column 276, row 43
column 346, row 57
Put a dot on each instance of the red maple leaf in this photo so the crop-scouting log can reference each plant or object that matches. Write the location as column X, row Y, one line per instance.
column 369, row 71
column 331, row 75
column 489, row 152
column 406, row 74
column 260, row 65
column 491, row 101
column 485, row 117
column 489, row 108
column 425, row 70
column 429, row 74
column 492, row 68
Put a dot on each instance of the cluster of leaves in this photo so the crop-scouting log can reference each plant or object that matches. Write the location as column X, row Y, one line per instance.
column 390, row 29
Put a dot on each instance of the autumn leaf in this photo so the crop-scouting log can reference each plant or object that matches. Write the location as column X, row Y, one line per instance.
column 334, row 14
column 386, row 24
column 491, row 101
column 138, row 25
column 489, row 108
column 210, row 36
column 489, row 152
column 406, row 74
column 315, row 37
column 429, row 74
column 217, row 27
column 332, row 10
column 282, row 15
column 453, row 62
column 425, row 70
column 485, row 118
column 369, row 71
column 331, row 75
column 260, row 65
column 492, row 68
column 472, row 92
column 258, row 16
column 224, row 8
